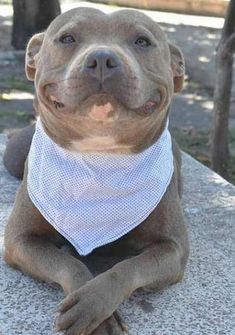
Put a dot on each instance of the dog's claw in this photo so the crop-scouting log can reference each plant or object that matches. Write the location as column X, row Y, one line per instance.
column 121, row 322
column 67, row 303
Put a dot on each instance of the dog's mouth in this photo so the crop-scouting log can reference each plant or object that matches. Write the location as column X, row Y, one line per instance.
column 105, row 107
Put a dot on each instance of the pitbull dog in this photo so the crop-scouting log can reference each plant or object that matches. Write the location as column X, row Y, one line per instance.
column 104, row 84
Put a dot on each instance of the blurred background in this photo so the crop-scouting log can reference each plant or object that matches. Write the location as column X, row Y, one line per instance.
column 195, row 26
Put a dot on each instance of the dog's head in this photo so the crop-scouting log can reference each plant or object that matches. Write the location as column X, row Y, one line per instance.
column 104, row 82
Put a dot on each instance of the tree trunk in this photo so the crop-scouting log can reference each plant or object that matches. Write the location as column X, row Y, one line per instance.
column 30, row 17
column 222, row 93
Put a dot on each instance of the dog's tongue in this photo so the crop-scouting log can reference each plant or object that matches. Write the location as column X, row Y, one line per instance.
column 102, row 112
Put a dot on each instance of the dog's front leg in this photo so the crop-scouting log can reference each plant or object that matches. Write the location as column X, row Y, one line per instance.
column 30, row 245
column 83, row 310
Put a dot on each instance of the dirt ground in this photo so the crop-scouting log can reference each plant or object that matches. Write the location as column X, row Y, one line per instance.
column 191, row 117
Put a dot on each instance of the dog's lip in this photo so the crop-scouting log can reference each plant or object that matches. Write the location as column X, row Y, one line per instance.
column 151, row 105
column 148, row 108
column 102, row 98
column 97, row 99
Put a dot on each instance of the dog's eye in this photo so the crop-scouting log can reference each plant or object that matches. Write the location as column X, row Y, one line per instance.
column 143, row 42
column 67, row 39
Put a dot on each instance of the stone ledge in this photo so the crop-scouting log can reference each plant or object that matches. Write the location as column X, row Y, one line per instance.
column 200, row 305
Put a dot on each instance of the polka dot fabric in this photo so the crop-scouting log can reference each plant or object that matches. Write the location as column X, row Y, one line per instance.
column 94, row 199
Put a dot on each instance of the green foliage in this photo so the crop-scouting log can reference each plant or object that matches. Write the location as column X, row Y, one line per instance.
column 14, row 82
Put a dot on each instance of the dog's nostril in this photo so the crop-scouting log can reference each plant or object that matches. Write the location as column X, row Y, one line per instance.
column 92, row 64
column 110, row 63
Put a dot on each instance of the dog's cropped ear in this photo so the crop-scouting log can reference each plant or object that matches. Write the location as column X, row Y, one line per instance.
column 32, row 51
column 178, row 67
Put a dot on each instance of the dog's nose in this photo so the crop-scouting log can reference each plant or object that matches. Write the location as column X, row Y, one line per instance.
column 102, row 64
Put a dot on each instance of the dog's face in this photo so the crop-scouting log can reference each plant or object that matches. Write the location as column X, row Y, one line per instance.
column 104, row 82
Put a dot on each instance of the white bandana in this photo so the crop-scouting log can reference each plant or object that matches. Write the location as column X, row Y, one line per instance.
column 94, row 199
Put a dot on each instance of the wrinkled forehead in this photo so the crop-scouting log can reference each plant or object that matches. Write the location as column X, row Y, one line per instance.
column 92, row 21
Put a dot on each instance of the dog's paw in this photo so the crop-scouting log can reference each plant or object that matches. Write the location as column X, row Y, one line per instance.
column 82, row 311
column 114, row 325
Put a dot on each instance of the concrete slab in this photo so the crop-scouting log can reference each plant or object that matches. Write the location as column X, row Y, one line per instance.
column 202, row 304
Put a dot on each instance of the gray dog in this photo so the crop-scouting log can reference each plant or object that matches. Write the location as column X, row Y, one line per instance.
column 103, row 173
